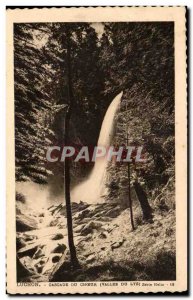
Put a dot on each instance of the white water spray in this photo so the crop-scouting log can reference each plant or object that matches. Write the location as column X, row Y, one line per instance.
column 92, row 190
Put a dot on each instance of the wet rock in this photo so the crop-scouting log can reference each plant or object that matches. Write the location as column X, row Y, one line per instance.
column 39, row 268
column 78, row 228
column 25, row 223
column 62, row 266
column 59, row 249
column 62, row 226
column 55, row 259
column 103, row 219
column 83, row 214
column 53, row 223
column 29, row 238
column 76, row 207
column 54, row 208
column 86, row 238
column 41, row 261
column 20, row 243
column 27, row 251
column 51, row 207
column 22, row 271
column 28, row 263
column 39, row 253
column 83, row 221
column 62, row 211
column 40, row 265
column 58, row 236
column 113, row 213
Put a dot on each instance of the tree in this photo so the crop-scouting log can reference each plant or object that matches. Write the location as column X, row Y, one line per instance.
column 139, row 59
column 72, row 55
column 32, row 132
column 142, row 197
column 72, row 248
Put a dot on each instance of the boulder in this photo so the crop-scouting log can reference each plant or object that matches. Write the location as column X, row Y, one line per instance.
column 78, row 228
column 113, row 213
column 22, row 271
column 41, row 261
column 61, row 226
column 53, row 223
column 29, row 238
column 29, row 250
column 90, row 227
column 55, row 259
column 40, row 252
column 57, row 236
column 62, row 211
column 60, row 271
column 103, row 219
column 25, row 223
column 40, row 264
column 20, row 243
column 59, row 249
column 76, row 207
column 83, row 214
column 39, row 268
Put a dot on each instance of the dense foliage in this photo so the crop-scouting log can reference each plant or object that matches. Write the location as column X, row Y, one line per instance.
column 32, row 105
column 136, row 58
column 139, row 60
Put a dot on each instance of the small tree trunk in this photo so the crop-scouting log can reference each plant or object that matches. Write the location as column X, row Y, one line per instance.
column 142, row 197
column 72, row 248
column 130, row 199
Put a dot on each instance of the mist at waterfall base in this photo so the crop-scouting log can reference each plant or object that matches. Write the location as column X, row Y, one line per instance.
column 92, row 190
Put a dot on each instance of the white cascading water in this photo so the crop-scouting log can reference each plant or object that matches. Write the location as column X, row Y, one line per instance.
column 93, row 189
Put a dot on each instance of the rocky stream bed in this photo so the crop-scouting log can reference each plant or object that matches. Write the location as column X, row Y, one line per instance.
column 106, row 246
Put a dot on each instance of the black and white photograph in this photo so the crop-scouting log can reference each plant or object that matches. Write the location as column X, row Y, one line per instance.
column 94, row 143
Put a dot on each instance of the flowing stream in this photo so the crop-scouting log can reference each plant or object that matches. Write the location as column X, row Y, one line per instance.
column 93, row 189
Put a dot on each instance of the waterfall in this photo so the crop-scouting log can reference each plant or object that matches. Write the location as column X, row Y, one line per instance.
column 93, row 188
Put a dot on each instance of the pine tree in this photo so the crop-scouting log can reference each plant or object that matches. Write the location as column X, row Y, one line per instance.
column 32, row 132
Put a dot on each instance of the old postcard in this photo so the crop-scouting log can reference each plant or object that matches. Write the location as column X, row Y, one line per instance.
column 96, row 150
